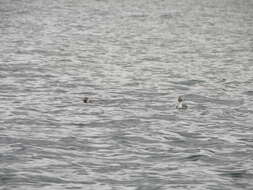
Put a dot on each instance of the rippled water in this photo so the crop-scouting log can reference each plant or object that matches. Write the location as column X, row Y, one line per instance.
column 133, row 59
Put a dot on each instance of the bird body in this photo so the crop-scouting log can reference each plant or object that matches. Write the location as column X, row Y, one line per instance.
column 180, row 104
column 86, row 100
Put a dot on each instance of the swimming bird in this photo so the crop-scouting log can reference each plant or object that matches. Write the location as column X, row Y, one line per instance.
column 180, row 104
column 86, row 100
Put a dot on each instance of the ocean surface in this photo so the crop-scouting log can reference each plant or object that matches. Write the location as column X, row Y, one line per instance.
column 132, row 59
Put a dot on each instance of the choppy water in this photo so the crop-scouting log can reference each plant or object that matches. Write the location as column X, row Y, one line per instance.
column 133, row 58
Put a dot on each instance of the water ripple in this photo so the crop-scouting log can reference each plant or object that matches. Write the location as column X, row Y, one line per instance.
column 132, row 59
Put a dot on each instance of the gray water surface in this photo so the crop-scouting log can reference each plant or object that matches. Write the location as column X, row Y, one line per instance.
column 133, row 59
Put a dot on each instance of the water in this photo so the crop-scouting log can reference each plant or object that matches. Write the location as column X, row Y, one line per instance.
column 133, row 59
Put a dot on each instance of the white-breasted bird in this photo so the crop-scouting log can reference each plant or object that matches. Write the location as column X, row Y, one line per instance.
column 180, row 104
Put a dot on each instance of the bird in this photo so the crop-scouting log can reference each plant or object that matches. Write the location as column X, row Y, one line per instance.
column 86, row 100
column 180, row 104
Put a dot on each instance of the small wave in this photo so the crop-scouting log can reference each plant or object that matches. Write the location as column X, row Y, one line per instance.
column 189, row 82
column 204, row 99
column 249, row 93
column 236, row 173
column 195, row 157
